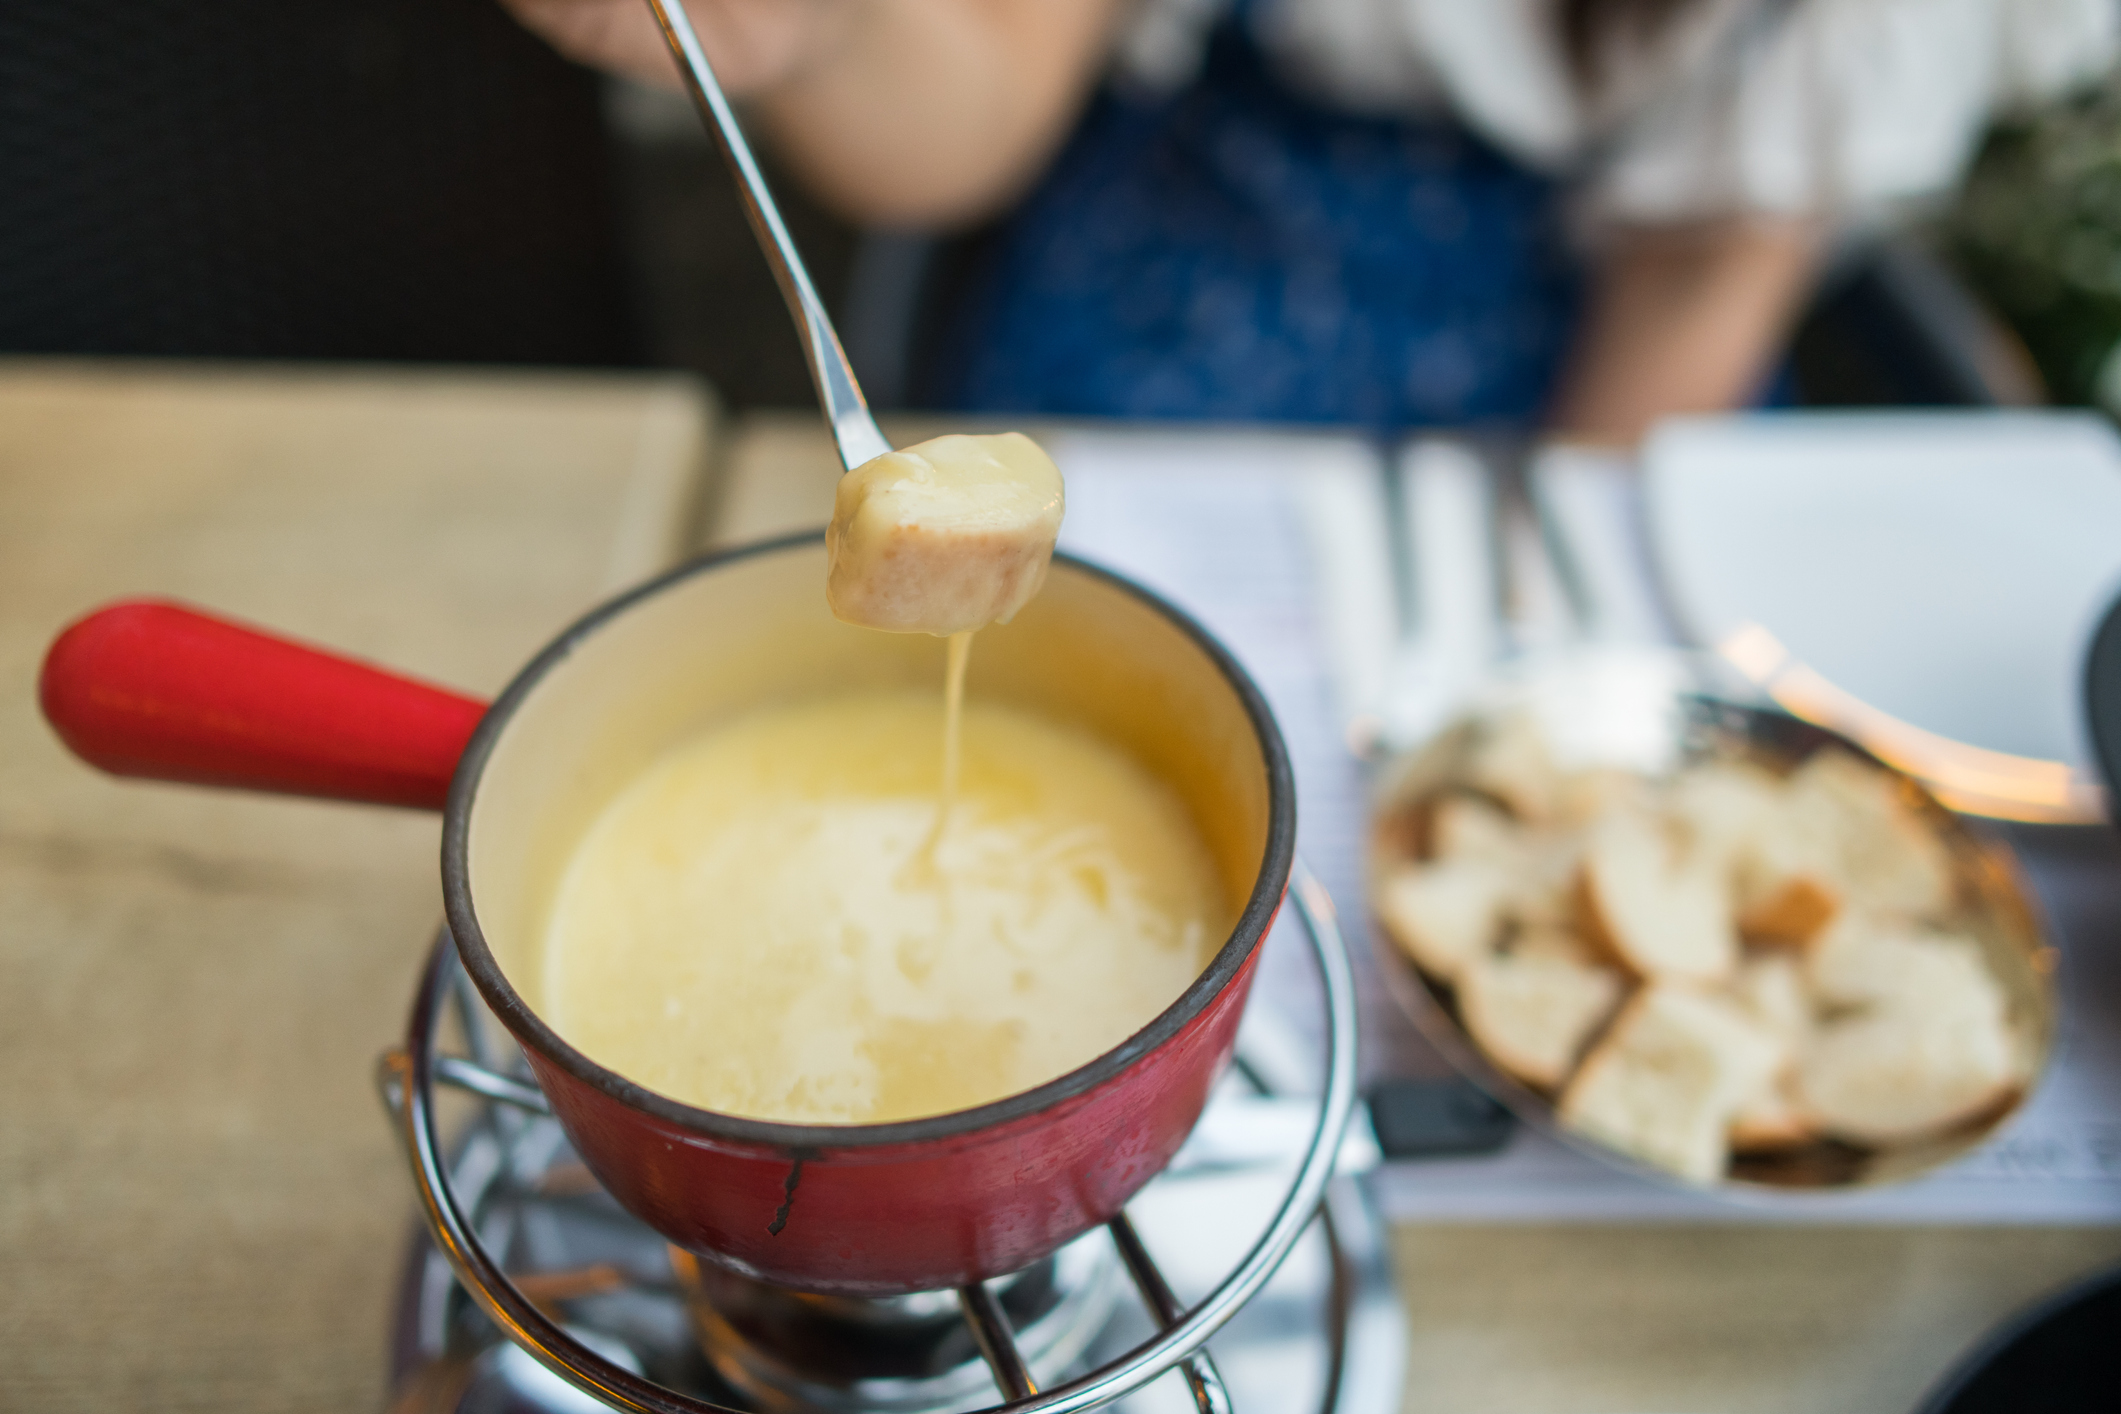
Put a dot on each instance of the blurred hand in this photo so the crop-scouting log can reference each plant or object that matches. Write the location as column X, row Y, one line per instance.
column 753, row 44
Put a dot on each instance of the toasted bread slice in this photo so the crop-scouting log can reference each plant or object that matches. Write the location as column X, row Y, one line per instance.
column 1923, row 1041
column 1888, row 1076
column 1868, row 964
column 1791, row 913
column 1660, row 915
column 1445, row 913
column 1532, row 1008
column 1736, row 815
column 1723, row 806
column 1511, row 763
column 1668, row 1077
column 1770, row 990
column 1556, row 940
column 1542, row 891
column 1584, row 796
column 1773, row 1119
column 1465, row 825
column 1793, row 862
column 1888, row 855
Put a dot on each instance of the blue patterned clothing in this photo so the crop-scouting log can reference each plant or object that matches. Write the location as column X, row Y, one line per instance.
column 1237, row 251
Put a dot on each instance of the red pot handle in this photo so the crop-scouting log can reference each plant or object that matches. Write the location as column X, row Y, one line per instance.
column 152, row 688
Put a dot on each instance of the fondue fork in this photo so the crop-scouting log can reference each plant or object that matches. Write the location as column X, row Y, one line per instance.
column 854, row 430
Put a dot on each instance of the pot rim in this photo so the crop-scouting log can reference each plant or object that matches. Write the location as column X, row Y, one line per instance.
column 533, row 1031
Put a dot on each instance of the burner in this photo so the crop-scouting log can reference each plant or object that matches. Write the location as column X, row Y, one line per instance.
column 783, row 1349
column 1321, row 1330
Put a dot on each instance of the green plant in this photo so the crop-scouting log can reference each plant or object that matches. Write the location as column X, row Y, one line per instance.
column 2038, row 231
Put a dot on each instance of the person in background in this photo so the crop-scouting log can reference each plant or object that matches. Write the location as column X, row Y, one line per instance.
column 1568, row 215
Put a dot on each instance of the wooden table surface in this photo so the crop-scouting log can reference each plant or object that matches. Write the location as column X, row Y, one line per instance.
column 201, row 1207
column 200, row 1204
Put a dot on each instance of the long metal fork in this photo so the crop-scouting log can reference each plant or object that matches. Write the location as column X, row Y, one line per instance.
column 854, row 429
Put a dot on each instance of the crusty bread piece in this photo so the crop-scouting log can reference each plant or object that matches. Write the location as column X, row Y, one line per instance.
column 1900, row 1073
column 1531, row 1008
column 944, row 537
column 1542, row 891
column 1468, row 825
column 1791, row 912
column 1444, row 913
column 1783, row 869
column 1668, row 1077
column 1869, row 963
column 1772, row 1119
column 1556, row 940
column 1661, row 915
column 1851, row 962
column 1887, row 855
column 1583, row 796
column 1793, row 860
column 1722, row 806
column 1924, row 1039
column 1510, row 762
column 1769, row 989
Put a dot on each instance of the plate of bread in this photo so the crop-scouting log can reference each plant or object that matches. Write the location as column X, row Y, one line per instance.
column 1751, row 957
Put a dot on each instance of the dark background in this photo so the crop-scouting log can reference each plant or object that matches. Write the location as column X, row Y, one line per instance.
column 421, row 180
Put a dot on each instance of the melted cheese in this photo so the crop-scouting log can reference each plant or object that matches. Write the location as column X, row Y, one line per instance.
column 754, row 926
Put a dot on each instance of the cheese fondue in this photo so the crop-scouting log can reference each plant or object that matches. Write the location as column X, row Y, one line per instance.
column 761, row 924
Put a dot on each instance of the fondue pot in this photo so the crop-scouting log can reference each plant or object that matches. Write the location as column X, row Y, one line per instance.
column 158, row 690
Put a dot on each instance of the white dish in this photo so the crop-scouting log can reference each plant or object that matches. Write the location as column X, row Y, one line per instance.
column 1924, row 582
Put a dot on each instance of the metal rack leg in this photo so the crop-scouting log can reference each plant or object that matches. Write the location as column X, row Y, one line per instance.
column 1206, row 1382
column 996, row 1341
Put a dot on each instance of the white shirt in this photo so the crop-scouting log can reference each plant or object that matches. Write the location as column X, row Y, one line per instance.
column 1844, row 109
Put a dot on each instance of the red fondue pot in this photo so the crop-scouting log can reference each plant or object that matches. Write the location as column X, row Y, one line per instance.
column 153, row 689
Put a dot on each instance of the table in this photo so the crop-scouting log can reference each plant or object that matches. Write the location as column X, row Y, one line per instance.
column 200, row 1204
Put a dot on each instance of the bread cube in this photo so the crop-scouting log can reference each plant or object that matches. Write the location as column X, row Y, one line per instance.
column 1443, row 914
column 1533, row 1007
column 1661, row 915
column 1667, row 1080
column 1583, row 796
column 1468, row 825
column 1887, row 855
column 1769, row 989
column 1865, row 963
column 1924, row 1039
column 1772, row 1119
column 1723, row 806
column 1793, row 911
column 1542, row 893
column 1901, row 1073
column 944, row 537
column 1511, row 763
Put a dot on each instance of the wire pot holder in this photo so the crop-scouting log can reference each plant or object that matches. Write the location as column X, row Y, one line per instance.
column 407, row 1076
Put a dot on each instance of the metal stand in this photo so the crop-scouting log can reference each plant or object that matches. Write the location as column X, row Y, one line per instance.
column 407, row 1076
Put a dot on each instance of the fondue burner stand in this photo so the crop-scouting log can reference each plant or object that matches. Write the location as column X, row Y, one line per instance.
column 531, row 1292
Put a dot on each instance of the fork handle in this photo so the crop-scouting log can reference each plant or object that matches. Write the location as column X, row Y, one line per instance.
column 853, row 428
